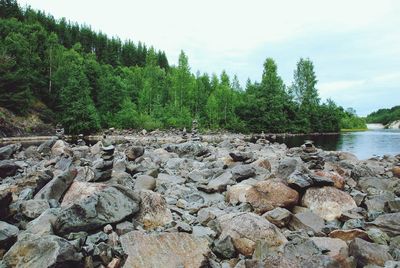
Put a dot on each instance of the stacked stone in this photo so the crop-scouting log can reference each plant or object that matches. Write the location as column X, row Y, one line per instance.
column 103, row 168
column 80, row 140
column 195, row 136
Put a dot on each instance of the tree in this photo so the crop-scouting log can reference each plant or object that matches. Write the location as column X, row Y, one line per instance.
column 304, row 85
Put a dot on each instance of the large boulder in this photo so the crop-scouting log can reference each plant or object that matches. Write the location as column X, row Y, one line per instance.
column 34, row 208
column 246, row 229
column 367, row 253
column 328, row 202
column 267, row 195
column 42, row 251
column 80, row 190
column 237, row 193
column 164, row 250
column 153, row 211
column 57, row 186
column 109, row 205
column 389, row 223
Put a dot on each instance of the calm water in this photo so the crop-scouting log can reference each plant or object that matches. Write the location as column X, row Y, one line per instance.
column 363, row 144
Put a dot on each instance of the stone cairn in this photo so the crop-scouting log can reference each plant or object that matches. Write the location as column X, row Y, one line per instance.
column 80, row 141
column 195, row 136
column 60, row 132
column 104, row 169
column 311, row 156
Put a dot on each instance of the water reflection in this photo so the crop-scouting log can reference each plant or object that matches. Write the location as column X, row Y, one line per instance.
column 364, row 144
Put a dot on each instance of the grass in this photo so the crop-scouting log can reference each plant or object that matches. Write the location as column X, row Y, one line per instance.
column 353, row 129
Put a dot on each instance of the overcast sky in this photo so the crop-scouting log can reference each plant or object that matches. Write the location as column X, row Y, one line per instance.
column 355, row 45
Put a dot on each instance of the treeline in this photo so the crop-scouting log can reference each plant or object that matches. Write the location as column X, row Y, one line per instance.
column 384, row 116
column 87, row 81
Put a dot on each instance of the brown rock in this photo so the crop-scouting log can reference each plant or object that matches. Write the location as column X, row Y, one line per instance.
column 237, row 193
column 153, row 211
column 348, row 235
column 164, row 250
column 337, row 179
column 267, row 195
column 328, row 202
column 247, row 228
column 396, row 171
column 80, row 190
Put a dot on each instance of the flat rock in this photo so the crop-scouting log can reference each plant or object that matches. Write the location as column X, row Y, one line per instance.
column 42, row 251
column 154, row 211
column 337, row 247
column 34, row 208
column 278, row 216
column 236, row 225
column 328, row 202
column 308, row 221
column 164, row 250
column 80, row 190
column 388, row 223
column 219, row 184
column 349, row 235
column 110, row 205
column 267, row 195
column 367, row 253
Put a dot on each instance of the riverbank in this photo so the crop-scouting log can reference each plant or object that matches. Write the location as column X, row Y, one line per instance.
column 163, row 200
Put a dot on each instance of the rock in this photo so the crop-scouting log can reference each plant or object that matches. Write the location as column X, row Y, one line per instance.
column 59, row 148
column 79, row 191
column 337, row 179
column 288, row 166
column 394, row 248
column 237, row 193
column 207, row 214
column 153, row 210
column 8, row 168
column 307, row 221
column 336, row 247
column 7, row 151
column 124, row 227
column 109, row 205
column 43, row 225
column 328, row 202
column 201, row 231
column 396, row 171
column 388, row 223
column 299, row 180
column 218, row 184
column 56, row 188
column 34, row 208
column 267, row 195
column 242, row 172
column 188, row 148
column 5, row 201
column 8, row 235
column 377, row 236
column 42, row 251
column 164, row 250
column 224, row 248
column 349, row 235
column 368, row 253
column 278, row 216
column 133, row 152
column 145, row 182
column 236, row 225
column 241, row 157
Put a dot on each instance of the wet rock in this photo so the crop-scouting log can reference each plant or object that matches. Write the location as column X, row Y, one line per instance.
column 164, row 250
column 307, row 221
column 368, row 253
column 236, row 225
column 328, row 202
column 8, row 168
column 56, row 188
column 42, row 251
column 278, row 216
column 388, row 223
column 267, row 195
column 134, row 152
column 109, row 205
column 145, row 182
column 153, row 211
column 34, row 208
column 8, row 235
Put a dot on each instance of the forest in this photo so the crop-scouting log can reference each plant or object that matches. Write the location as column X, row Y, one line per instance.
column 384, row 116
column 88, row 81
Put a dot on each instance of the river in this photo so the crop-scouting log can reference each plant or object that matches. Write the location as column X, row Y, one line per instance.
column 364, row 144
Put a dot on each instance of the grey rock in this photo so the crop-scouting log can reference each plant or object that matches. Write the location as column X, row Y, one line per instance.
column 8, row 234
column 42, row 251
column 388, row 223
column 224, row 248
column 124, row 227
column 97, row 238
column 278, row 216
column 34, row 208
column 188, row 148
column 56, row 188
column 7, row 151
column 43, row 225
column 307, row 221
column 112, row 204
column 145, row 182
column 242, row 172
column 218, row 184
column 26, row 194
column 367, row 253
column 45, row 147
column 134, row 152
column 377, row 236
column 5, row 201
column 299, row 180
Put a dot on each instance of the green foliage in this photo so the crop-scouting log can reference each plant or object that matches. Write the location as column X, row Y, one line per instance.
column 86, row 80
column 384, row 116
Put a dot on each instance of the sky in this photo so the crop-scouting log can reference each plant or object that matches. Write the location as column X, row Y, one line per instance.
column 354, row 45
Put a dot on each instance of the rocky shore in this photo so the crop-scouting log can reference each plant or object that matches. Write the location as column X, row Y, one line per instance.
column 170, row 200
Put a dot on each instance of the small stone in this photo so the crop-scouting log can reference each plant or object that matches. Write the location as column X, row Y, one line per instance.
column 108, row 229
column 278, row 216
